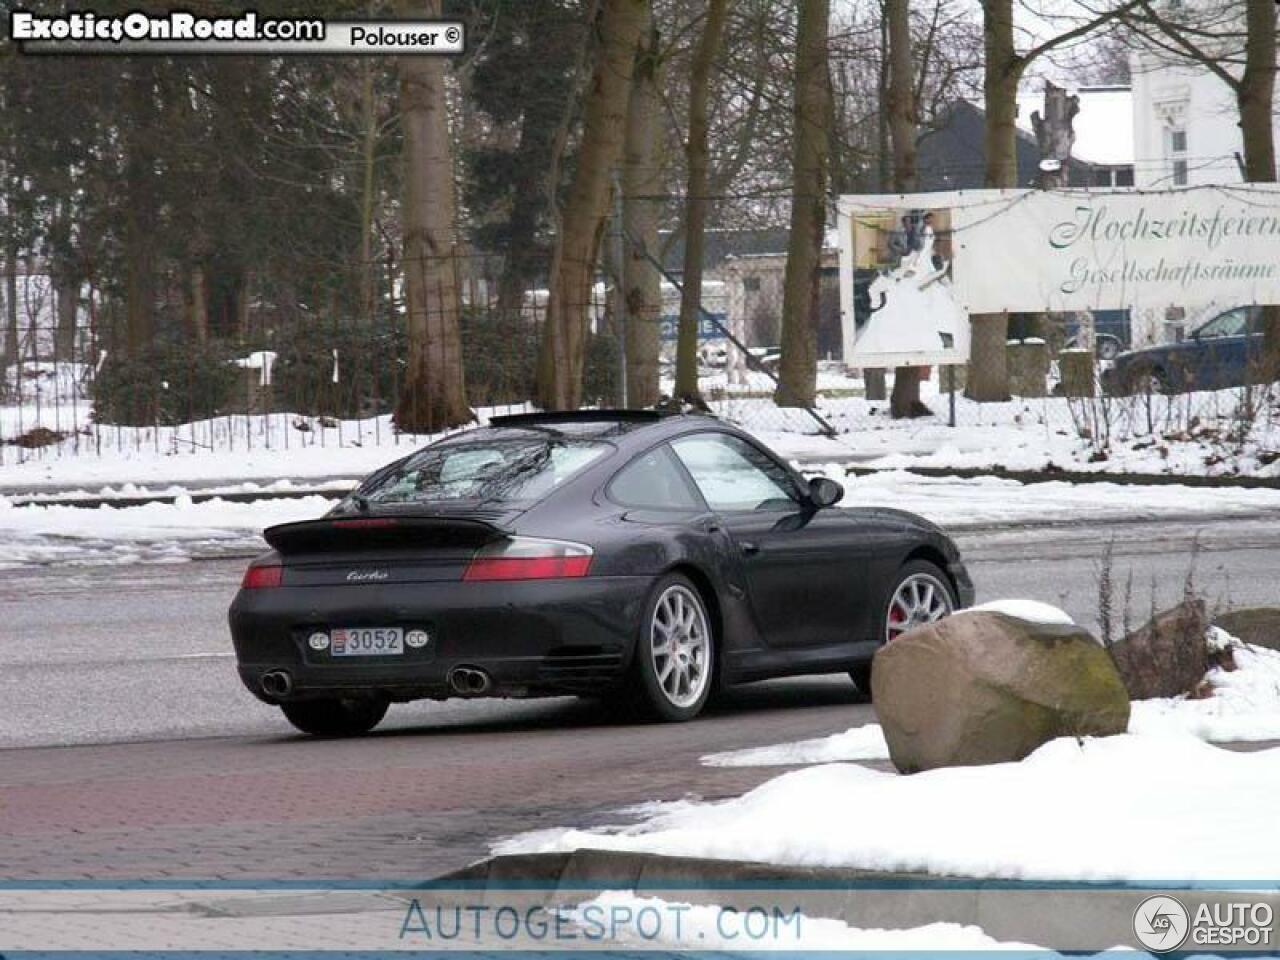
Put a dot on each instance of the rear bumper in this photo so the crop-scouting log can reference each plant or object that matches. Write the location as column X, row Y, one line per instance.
column 535, row 637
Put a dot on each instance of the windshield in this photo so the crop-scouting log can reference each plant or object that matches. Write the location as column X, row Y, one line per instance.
column 487, row 466
column 1233, row 323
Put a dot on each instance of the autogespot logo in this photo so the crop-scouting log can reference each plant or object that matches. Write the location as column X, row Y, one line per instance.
column 1161, row 923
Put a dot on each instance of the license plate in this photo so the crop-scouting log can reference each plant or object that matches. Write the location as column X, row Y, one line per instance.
column 367, row 642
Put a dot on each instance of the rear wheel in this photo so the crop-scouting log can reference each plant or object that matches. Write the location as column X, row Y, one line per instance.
column 675, row 652
column 336, row 716
column 1108, row 348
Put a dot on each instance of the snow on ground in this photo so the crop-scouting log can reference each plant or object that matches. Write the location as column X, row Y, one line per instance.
column 1195, row 434
column 956, row 503
column 1161, row 810
column 1245, row 704
column 683, row 926
column 860, row 743
column 51, row 533
column 156, row 532
column 229, row 450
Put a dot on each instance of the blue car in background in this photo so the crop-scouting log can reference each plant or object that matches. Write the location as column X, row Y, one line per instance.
column 1110, row 332
column 1225, row 352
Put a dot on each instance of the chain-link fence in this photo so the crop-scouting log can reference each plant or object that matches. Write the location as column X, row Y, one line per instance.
column 261, row 371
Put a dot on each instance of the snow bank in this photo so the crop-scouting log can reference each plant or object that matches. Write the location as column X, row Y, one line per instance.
column 861, row 743
column 957, row 503
column 1161, row 810
column 1244, row 705
column 1033, row 611
column 153, row 532
column 701, row 927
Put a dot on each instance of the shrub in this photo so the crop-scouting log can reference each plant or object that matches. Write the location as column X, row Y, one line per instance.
column 165, row 384
column 369, row 364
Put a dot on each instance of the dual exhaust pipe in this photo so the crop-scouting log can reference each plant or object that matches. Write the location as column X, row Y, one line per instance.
column 469, row 682
column 277, row 683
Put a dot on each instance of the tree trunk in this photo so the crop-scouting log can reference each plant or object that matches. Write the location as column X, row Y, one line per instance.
column 12, row 336
column 522, row 257
column 578, row 241
column 368, row 196
column 697, row 158
column 433, row 396
column 988, row 370
column 797, row 382
column 1002, row 71
column 902, row 110
column 1255, row 98
column 642, row 177
column 199, row 294
column 140, row 215
column 68, row 297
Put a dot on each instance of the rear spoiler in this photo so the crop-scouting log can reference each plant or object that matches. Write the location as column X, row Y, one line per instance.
column 376, row 533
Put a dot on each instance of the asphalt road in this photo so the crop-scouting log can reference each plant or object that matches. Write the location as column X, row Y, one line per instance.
column 180, row 772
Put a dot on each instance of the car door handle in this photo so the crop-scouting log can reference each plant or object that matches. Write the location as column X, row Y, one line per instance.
column 750, row 548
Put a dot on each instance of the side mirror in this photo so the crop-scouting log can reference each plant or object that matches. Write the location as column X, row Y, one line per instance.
column 824, row 492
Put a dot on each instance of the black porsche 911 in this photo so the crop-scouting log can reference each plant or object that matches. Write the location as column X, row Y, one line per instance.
column 636, row 556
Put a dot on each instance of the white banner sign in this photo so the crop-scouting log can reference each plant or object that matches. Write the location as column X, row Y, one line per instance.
column 1108, row 250
column 997, row 251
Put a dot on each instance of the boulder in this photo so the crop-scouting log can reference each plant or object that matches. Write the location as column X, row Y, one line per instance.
column 1168, row 656
column 986, row 687
column 1257, row 625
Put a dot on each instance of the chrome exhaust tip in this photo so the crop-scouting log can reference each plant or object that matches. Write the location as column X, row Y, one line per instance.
column 277, row 683
column 469, row 682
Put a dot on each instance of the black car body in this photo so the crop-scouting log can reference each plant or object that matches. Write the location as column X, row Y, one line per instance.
column 540, row 586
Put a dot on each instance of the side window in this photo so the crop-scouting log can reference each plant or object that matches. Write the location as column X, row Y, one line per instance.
column 733, row 475
column 653, row 480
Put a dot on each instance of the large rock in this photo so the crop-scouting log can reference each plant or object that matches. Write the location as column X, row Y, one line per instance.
column 985, row 687
column 1257, row 625
column 1166, row 657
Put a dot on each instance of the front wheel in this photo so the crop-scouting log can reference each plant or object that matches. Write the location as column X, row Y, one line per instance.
column 919, row 593
column 335, row 717
column 675, row 652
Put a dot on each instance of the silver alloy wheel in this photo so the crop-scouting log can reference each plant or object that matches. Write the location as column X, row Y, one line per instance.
column 919, row 599
column 680, row 645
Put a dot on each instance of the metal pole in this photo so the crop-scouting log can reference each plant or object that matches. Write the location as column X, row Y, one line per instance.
column 619, row 296
column 951, row 390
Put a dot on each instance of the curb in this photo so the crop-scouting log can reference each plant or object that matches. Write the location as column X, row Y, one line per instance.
column 1006, row 910
column 589, row 870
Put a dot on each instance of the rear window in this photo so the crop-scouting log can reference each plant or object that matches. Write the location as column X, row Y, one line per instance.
column 488, row 466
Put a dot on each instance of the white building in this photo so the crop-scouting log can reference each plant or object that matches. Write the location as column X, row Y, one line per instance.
column 1185, row 125
column 1185, row 133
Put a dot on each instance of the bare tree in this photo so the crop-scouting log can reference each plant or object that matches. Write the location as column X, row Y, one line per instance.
column 797, row 383
column 695, row 217
column 642, row 180
column 1004, row 68
column 903, row 118
column 577, row 244
column 434, row 395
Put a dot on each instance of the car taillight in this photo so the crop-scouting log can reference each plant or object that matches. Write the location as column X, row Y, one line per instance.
column 524, row 558
column 262, row 577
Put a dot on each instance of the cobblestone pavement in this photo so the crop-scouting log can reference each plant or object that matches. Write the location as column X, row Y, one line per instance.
column 403, row 805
